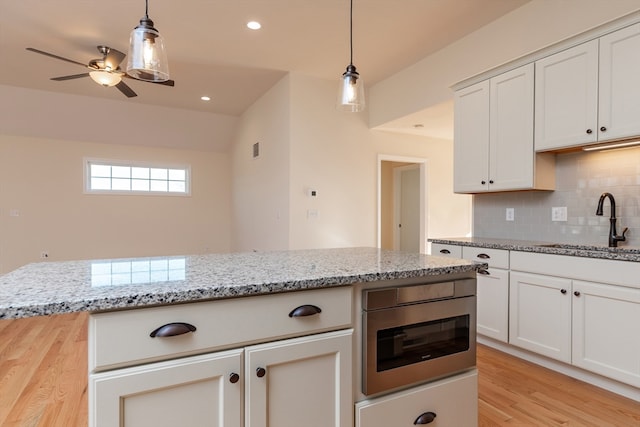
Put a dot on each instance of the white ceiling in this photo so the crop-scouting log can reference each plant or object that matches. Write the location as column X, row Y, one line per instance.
column 211, row 52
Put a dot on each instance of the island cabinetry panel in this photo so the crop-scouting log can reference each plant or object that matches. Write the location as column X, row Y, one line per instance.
column 589, row 93
column 197, row 391
column 300, row 382
column 493, row 136
column 448, row 402
column 123, row 338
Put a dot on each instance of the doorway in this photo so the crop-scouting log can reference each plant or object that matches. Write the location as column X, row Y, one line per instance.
column 402, row 203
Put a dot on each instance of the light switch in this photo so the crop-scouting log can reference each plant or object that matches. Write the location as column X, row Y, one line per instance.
column 511, row 214
column 559, row 213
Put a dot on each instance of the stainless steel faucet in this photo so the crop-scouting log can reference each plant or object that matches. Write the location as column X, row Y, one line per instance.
column 613, row 234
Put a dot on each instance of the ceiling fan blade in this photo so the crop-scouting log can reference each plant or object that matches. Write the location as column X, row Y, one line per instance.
column 41, row 52
column 126, row 90
column 71, row 77
column 113, row 58
column 167, row 83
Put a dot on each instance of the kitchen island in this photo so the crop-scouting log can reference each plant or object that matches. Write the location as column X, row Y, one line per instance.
column 233, row 358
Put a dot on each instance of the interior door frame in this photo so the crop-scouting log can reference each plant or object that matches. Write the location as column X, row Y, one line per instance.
column 424, row 223
column 397, row 202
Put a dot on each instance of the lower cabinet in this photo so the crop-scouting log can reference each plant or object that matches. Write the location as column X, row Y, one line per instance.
column 540, row 314
column 493, row 304
column 449, row 402
column 300, row 381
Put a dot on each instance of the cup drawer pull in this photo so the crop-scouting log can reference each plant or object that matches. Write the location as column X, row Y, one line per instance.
column 173, row 329
column 305, row 310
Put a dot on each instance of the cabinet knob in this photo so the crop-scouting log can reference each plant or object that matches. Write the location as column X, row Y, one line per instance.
column 589, row 131
column 425, row 418
column 483, row 256
column 577, row 293
column 563, row 291
column 603, row 129
column 173, row 329
column 445, row 251
column 483, row 182
column 305, row 310
column 260, row 372
column 234, row 378
column 490, row 181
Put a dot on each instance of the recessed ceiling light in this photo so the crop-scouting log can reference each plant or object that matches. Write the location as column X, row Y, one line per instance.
column 254, row 25
column 205, row 98
column 418, row 125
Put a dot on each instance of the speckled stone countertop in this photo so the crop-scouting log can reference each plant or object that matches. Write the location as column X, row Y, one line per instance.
column 621, row 253
column 73, row 286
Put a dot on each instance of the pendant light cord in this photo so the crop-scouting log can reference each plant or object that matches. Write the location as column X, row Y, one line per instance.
column 351, row 33
column 146, row 9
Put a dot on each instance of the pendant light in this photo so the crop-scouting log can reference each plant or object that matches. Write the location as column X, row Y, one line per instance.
column 351, row 93
column 147, row 59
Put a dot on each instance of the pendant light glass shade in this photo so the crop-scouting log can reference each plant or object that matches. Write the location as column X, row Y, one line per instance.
column 105, row 78
column 351, row 91
column 147, row 58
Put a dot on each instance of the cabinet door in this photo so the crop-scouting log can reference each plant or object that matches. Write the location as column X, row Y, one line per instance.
column 300, row 382
column 540, row 314
column 511, row 154
column 493, row 304
column 196, row 391
column 566, row 91
column 453, row 402
column 606, row 338
column 471, row 139
column 451, row 251
column 619, row 98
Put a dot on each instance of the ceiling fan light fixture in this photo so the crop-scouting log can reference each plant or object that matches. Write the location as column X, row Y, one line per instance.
column 351, row 91
column 105, row 78
column 147, row 58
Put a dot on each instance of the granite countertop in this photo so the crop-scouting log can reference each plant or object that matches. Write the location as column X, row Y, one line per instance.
column 97, row 285
column 621, row 253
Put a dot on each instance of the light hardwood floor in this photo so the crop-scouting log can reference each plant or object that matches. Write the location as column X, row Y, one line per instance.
column 43, row 383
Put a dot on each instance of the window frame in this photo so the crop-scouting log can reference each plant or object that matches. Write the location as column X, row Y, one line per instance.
column 88, row 161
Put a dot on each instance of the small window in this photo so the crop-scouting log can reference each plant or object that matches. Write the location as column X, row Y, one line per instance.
column 105, row 176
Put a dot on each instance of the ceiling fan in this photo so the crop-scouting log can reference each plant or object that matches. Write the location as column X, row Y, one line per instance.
column 105, row 71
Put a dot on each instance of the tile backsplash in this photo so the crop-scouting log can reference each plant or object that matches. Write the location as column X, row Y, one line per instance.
column 580, row 180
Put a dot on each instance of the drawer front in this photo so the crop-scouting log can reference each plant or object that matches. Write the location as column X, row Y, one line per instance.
column 496, row 258
column 453, row 401
column 452, row 251
column 118, row 339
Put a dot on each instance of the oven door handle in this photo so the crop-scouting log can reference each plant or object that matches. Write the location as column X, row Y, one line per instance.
column 426, row 418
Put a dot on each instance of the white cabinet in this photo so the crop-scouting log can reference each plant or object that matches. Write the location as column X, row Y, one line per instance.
column 492, row 291
column 451, row 251
column 493, row 136
column 449, row 402
column 605, row 330
column 290, row 363
column 195, row 392
column 300, row 382
column 540, row 314
column 589, row 93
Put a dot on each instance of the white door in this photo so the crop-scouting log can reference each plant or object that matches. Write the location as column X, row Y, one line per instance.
column 511, row 154
column 619, row 85
column 300, row 382
column 566, row 93
column 198, row 391
column 606, row 334
column 471, row 139
column 408, row 208
column 493, row 304
column 540, row 314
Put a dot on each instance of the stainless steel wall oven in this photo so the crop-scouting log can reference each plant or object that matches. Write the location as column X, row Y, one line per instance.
column 417, row 333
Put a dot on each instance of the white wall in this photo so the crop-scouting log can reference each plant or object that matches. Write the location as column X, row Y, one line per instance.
column 535, row 25
column 41, row 177
column 260, row 187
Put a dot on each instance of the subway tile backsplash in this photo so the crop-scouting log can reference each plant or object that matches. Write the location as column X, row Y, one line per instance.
column 580, row 180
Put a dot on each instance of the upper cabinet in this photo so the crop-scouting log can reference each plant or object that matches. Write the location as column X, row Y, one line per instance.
column 589, row 93
column 493, row 131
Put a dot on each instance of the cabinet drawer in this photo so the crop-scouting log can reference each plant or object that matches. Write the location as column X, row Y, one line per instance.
column 122, row 338
column 496, row 258
column 441, row 249
column 454, row 401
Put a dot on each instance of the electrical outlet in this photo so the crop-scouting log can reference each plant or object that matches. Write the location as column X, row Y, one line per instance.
column 559, row 213
column 510, row 214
